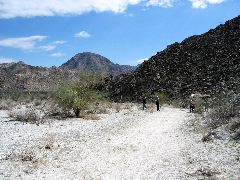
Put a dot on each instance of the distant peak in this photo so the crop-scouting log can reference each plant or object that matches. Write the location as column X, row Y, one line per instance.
column 94, row 62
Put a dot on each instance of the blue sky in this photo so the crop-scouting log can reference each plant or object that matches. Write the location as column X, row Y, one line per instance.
column 50, row 32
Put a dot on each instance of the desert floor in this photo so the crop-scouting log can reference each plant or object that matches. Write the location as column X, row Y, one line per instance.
column 130, row 144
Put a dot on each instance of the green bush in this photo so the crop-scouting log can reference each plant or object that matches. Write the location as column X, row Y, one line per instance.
column 77, row 95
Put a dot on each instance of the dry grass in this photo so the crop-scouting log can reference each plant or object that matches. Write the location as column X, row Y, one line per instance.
column 27, row 155
column 105, row 107
column 99, row 108
column 205, row 173
column 151, row 108
column 90, row 117
column 29, row 115
column 7, row 104
column 118, row 107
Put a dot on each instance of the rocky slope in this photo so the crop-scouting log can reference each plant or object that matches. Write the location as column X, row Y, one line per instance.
column 205, row 63
column 22, row 77
column 94, row 62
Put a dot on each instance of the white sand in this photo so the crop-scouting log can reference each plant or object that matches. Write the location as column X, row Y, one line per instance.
column 126, row 145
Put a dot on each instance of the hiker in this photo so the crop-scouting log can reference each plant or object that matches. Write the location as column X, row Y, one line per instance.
column 144, row 103
column 192, row 106
column 158, row 103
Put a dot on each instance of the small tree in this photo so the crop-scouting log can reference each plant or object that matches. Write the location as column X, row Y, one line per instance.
column 79, row 94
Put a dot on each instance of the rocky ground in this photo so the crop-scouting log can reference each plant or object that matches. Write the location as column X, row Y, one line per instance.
column 130, row 144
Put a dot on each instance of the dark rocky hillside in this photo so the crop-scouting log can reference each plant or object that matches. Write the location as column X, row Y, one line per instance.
column 94, row 62
column 205, row 63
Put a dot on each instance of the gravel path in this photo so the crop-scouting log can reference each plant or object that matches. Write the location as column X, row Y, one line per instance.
column 126, row 145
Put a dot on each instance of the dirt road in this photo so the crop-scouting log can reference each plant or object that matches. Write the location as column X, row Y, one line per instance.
column 126, row 145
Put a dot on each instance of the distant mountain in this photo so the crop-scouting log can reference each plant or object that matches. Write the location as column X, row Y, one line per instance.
column 207, row 63
column 97, row 63
column 22, row 77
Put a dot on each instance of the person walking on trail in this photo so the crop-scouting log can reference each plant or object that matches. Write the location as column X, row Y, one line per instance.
column 158, row 103
column 144, row 102
column 192, row 106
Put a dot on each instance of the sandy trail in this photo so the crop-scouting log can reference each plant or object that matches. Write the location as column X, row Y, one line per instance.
column 150, row 149
column 125, row 145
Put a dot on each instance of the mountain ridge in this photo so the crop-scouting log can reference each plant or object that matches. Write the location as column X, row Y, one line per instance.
column 18, row 76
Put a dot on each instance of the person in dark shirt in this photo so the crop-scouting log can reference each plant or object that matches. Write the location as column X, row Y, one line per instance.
column 158, row 103
column 192, row 106
column 145, row 103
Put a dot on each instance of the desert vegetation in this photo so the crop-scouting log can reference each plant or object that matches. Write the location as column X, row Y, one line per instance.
column 78, row 95
column 225, row 114
column 68, row 99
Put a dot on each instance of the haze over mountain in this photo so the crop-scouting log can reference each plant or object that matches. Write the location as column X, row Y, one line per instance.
column 206, row 63
column 96, row 63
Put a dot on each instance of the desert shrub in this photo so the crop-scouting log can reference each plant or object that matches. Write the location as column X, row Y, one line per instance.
column 28, row 156
column 225, row 110
column 7, row 104
column 28, row 115
column 127, row 106
column 99, row 107
column 77, row 95
column 90, row 117
column 4, row 105
column 234, row 124
column 53, row 110
column 118, row 107
column 24, row 156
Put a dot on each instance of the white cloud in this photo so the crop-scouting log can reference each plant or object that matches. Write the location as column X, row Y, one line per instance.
column 33, row 8
column 7, row 60
column 58, row 42
column 161, row 3
column 201, row 4
column 46, row 47
column 142, row 60
column 31, row 43
column 57, row 54
column 24, row 43
column 82, row 34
